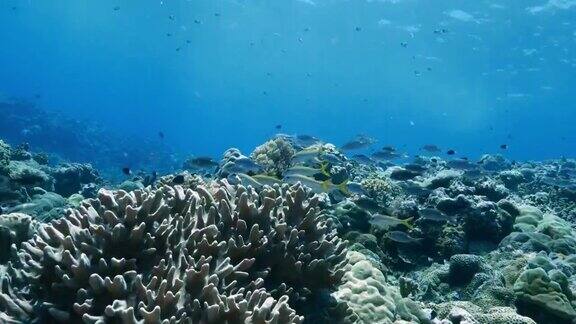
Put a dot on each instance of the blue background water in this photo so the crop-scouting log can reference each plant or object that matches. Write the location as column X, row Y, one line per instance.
column 216, row 74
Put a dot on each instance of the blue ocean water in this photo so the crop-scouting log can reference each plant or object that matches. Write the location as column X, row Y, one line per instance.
column 209, row 75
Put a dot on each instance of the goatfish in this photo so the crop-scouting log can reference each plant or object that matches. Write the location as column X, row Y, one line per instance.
column 402, row 237
column 385, row 221
column 433, row 215
column 307, row 171
column 257, row 181
column 315, row 185
column 307, row 155
column 331, row 158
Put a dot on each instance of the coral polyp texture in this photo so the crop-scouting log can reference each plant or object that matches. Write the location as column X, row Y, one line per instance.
column 215, row 254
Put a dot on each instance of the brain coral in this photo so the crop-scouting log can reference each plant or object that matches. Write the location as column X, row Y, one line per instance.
column 365, row 290
column 216, row 254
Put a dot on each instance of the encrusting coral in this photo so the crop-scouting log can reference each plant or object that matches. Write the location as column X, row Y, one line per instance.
column 215, row 254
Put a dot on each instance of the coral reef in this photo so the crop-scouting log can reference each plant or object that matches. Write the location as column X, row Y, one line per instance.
column 229, row 254
column 71, row 178
column 381, row 189
column 432, row 241
column 365, row 290
column 275, row 156
column 15, row 228
column 27, row 186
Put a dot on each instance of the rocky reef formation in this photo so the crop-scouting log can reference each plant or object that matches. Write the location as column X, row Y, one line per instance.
column 29, row 184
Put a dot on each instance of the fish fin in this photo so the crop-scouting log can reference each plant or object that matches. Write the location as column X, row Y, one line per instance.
column 343, row 187
column 324, row 168
column 407, row 222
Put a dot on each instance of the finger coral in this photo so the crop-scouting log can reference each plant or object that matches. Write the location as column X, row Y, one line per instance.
column 215, row 254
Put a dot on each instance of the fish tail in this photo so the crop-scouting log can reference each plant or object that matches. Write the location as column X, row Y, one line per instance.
column 343, row 187
column 326, row 185
column 324, row 168
column 407, row 222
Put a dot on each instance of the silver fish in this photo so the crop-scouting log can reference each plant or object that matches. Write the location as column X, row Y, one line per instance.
column 402, row 237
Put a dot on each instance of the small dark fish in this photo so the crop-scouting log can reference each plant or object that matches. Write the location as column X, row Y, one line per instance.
column 504, row 146
column 278, row 127
column 358, row 29
column 161, row 135
column 450, row 152
column 116, row 8
column 179, row 179
column 433, row 215
column 404, row 44
column 402, row 237
column 431, row 148
column 171, row 17
column 126, row 171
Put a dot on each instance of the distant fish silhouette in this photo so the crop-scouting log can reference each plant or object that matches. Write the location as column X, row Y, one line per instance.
column 126, row 171
column 161, row 135
column 504, row 146
column 451, row 152
column 431, row 148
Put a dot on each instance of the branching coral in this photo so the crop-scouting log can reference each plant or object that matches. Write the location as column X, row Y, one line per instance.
column 211, row 255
